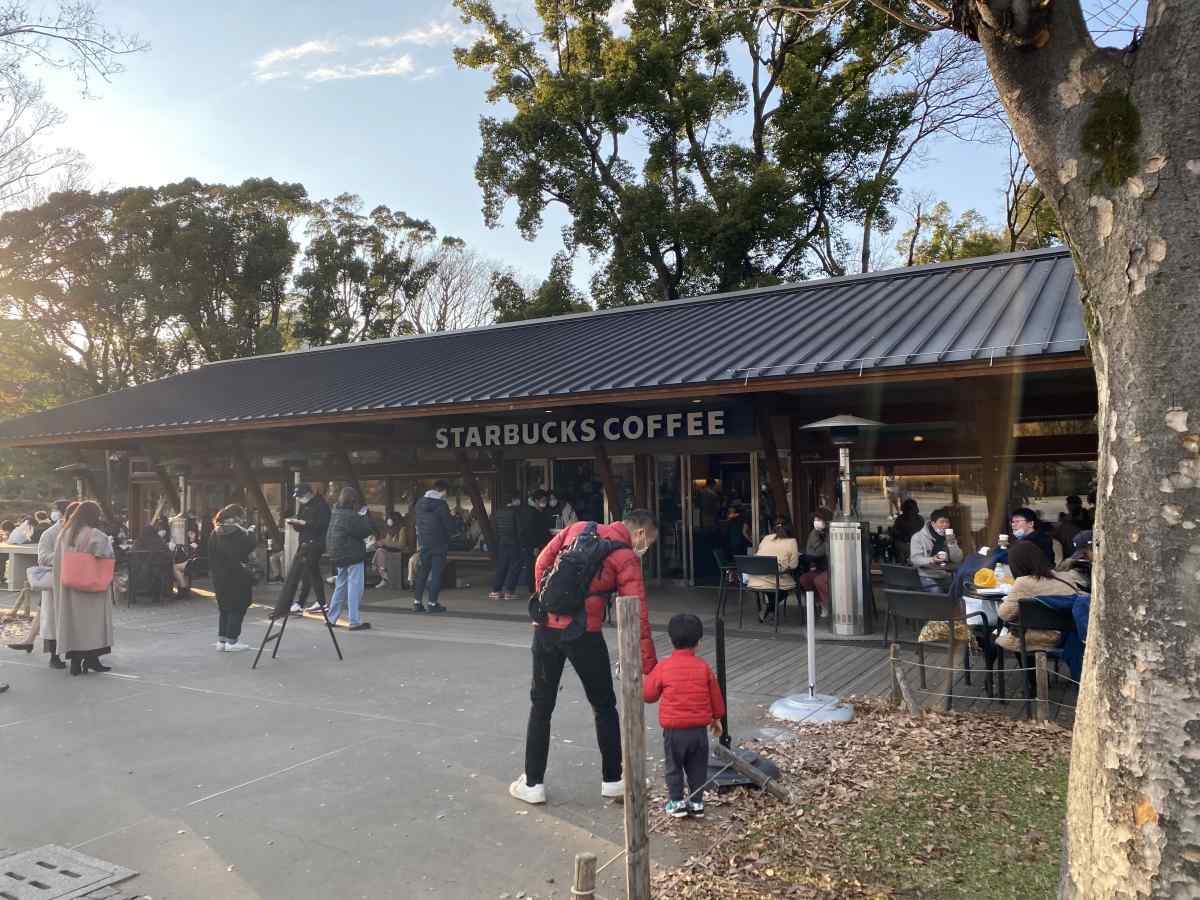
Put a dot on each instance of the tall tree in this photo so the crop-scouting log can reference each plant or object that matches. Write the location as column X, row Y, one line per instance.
column 637, row 136
column 1113, row 136
column 555, row 296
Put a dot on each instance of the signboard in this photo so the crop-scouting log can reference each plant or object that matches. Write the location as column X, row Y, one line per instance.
column 586, row 429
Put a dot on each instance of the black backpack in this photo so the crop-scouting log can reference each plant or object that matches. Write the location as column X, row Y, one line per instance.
column 565, row 587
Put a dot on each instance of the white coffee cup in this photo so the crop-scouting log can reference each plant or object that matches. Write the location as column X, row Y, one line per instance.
column 949, row 532
column 1004, row 540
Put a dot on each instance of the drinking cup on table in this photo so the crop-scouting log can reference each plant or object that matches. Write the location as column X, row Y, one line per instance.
column 1004, row 542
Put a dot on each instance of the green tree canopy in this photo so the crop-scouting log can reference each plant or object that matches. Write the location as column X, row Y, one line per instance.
column 696, row 152
column 555, row 296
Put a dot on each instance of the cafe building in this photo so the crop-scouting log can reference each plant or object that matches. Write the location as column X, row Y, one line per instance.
column 978, row 370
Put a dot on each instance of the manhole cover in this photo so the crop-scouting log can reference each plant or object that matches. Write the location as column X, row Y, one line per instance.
column 55, row 873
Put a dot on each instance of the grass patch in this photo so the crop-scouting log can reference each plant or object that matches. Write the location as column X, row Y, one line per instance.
column 992, row 829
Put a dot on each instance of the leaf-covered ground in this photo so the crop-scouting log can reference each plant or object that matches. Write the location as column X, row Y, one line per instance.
column 889, row 805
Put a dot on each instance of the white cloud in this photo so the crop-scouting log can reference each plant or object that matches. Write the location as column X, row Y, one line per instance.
column 397, row 66
column 273, row 58
column 431, row 35
column 616, row 15
column 428, row 72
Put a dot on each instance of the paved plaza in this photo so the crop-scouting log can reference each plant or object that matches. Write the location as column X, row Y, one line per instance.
column 378, row 777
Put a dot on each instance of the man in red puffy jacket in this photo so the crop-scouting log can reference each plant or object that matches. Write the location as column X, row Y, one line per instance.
column 554, row 645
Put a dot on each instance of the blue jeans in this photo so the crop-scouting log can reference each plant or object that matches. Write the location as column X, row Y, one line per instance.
column 429, row 572
column 932, row 585
column 349, row 588
column 509, row 561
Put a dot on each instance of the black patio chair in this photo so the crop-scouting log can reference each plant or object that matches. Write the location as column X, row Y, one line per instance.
column 727, row 573
column 896, row 578
column 925, row 607
column 1036, row 615
column 150, row 574
column 761, row 567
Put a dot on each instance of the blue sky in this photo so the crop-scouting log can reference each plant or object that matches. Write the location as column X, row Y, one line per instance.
column 359, row 96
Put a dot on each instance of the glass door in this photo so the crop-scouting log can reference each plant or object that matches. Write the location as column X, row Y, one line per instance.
column 670, row 555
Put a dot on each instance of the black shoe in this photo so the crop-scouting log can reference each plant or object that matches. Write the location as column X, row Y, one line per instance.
column 361, row 626
column 93, row 664
column 76, row 668
column 417, row 607
column 436, row 608
column 56, row 662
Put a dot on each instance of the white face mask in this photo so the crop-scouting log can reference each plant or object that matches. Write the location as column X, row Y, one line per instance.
column 55, row 516
column 162, row 534
column 391, row 523
column 306, row 498
column 818, row 524
column 941, row 531
column 1019, row 532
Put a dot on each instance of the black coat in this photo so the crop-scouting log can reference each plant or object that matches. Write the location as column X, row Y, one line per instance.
column 228, row 547
column 315, row 514
column 435, row 525
column 1044, row 542
column 528, row 526
column 347, row 532
column 507, row 524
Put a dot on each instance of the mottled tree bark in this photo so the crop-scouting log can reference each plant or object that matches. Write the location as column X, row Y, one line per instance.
column 1114, row 137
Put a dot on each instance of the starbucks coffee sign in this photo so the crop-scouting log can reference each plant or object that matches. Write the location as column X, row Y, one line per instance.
column 631, row 426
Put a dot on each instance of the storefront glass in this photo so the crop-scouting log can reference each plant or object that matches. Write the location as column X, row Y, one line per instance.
column 670, row 558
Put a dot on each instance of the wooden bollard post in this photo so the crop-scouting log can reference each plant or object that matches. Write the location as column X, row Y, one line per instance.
column 584, row 884
column 894, row 662
column 951, row 659
column 1043, row 686
column 633, row 749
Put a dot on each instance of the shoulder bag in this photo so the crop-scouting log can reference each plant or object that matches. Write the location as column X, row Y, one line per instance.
column 83, row 572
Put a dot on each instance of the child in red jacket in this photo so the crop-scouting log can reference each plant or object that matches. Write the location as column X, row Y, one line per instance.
column 691, row 704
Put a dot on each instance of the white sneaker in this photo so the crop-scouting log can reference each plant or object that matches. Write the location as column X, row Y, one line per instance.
column 297, row 608
column 612, row 790
column 522, row 791
column 234, row 648
column 314, row 608
column 220, row 645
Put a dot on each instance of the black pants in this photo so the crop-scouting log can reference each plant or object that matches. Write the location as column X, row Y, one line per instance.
column 310, row 575
column 589, row 658
column 229, row 623
column 429, row 574
column 509, row 559
column 685, row 751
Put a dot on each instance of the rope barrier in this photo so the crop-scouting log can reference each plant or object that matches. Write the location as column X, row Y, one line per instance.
column 1058, row 674
column 984, row 670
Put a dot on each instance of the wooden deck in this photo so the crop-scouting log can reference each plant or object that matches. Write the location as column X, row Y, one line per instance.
column 763, row 669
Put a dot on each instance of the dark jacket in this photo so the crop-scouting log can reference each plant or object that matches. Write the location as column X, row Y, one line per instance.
column 817, row 549
column 347, row 532
column 228, row 547
column 527, row 526
column 1044, row 542
column 435, row 525
column 691, row 697
column 620, row 574
column 316, row 515
column 507, row 525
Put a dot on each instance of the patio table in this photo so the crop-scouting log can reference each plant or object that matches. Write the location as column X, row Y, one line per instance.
column 20, row 558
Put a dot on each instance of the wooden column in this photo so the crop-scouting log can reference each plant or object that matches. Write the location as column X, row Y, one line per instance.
column 164, row 480
column 472, row 484
column 351, row 474
column 610, row 483
column 766, row 437
column 643, row 475
column 633, row 749
column 135, row 505
column 253, row 491
column 997, row 404
column 89, row 478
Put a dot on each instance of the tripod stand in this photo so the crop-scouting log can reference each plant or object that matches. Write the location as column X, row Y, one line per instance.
column 283, row 605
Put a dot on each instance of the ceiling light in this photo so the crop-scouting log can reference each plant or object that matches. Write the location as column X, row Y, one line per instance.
column 918, row 438
column 697, row 401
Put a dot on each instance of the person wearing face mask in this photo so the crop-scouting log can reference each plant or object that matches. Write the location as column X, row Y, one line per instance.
column 816, row 552
column 229, row 547
column 1024, row 524
column 435, row 526
column 562, row 639
column 786, row 550
column 509, row 553
column 49, row 610
column 312, row 525
column 933, row 550
column 150, row 566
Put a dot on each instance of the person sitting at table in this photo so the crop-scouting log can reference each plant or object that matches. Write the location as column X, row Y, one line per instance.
column 23, row 533
column 1033, row 577
column 1024, row 523
column 6, row 528
column 782, row 545
column 816, row 552
column 157, row 563
column 932, row 550
column 903, row 529
column 1079, row 563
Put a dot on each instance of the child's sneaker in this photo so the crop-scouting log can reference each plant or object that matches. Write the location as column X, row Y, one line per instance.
column 677, row 809
column 696, row 808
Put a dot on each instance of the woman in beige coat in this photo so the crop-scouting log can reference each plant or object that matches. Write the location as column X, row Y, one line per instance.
column 83, row 627
column 786, row 550
column 49, row 610
column 1033, row 578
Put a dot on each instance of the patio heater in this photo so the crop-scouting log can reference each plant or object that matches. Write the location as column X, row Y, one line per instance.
column 181, row 469
column 849, row 581
column 295, row 462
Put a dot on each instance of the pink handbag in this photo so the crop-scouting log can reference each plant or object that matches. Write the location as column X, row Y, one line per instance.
column 84, row 572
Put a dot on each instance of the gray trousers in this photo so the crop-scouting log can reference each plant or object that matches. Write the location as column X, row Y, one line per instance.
column 686, row 753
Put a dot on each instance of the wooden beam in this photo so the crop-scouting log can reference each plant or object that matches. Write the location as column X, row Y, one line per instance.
column 604, row 464
column 766, row 437
column 164, row 480
column 760, row 778
column 468, row 477
column 253, row 490
column 995, row 406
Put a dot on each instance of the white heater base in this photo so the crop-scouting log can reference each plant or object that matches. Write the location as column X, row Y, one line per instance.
column 814, row 709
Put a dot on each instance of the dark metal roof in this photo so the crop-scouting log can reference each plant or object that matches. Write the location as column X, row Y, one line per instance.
column 978, row 310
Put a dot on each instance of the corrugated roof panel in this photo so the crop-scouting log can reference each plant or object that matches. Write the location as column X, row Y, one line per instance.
column 1022, row 304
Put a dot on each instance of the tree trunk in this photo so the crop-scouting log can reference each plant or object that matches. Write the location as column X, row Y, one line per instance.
column 1127, row 197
